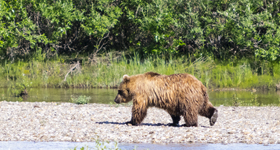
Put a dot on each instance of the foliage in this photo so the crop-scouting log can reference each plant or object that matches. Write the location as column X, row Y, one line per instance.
column 82, row 99
column 16, row 89
column 52, row 28
column 227, row 29
column 17, row 31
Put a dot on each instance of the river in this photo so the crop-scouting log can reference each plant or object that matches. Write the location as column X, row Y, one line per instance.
column 106, row 96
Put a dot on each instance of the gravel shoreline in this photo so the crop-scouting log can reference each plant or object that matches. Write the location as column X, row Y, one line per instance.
column 40, row 121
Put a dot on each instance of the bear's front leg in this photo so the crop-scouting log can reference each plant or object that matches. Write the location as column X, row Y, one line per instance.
column 138, row 114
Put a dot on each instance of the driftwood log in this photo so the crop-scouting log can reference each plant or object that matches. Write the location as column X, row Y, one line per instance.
column 23, row 93
column 72, row 69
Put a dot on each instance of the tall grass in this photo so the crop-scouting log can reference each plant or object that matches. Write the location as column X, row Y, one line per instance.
column 108, row 72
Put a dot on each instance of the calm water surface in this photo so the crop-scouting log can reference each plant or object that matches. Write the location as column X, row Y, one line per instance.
column 227, row 98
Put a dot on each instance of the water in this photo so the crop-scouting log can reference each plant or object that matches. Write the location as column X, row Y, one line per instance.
column 245, row 98
column 20, row 145
column 62, row 95
column 226, row 98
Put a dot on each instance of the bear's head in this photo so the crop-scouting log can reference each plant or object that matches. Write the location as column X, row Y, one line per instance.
column 124, row 94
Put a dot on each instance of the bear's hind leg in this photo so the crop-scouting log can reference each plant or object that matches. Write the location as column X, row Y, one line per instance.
column 190, row 119
column 175, row 120
column 211, row 113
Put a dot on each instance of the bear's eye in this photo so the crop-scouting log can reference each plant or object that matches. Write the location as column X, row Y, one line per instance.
column 120, row 92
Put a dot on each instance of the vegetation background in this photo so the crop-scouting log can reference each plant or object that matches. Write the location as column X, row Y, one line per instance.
column 93, row 43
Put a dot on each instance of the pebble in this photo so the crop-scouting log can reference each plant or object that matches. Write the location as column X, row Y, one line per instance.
column 41, row 121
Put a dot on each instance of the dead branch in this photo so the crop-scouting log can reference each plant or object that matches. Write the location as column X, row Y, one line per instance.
column 101, row 46
column 92, row 57
column 77, row 66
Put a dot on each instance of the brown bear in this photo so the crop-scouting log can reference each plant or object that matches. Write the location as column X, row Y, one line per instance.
column 178, row 94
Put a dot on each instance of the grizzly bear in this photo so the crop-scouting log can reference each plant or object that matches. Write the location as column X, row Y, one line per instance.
column 178, row 94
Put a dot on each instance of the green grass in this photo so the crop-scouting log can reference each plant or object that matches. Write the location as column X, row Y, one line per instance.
column 108, row 71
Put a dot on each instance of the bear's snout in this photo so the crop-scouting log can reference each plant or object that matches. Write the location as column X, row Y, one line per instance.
column 117, row 99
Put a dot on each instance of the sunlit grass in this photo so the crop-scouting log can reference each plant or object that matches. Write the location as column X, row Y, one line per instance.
column 108, row 72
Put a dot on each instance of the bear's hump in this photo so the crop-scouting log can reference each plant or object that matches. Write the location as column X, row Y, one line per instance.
column 152, row 74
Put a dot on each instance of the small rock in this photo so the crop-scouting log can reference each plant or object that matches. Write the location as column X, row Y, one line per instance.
column 224, row 142
column 265, row 143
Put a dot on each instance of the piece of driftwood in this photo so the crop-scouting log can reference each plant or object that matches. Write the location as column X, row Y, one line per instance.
column 24, row 92
column 71, row 70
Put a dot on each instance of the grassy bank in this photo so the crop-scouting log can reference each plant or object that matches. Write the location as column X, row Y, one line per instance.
column 108, row 72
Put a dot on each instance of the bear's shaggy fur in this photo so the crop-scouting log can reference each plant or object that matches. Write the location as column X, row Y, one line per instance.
column 178, row 94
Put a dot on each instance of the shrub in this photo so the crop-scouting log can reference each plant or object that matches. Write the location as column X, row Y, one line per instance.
column 82, row 99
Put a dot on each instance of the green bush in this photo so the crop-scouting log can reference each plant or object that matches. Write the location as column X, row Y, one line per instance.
column 226, row 29
column 81, row 99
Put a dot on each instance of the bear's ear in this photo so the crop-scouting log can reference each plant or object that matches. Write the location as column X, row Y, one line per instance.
column 125, row 78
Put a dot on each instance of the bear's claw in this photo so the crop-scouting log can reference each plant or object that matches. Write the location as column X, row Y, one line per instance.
column 131, row 123
column 128, row 122
column 214, row 117
column 173, row 124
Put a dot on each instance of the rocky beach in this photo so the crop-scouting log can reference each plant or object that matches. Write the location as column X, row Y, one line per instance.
column 41, row 121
